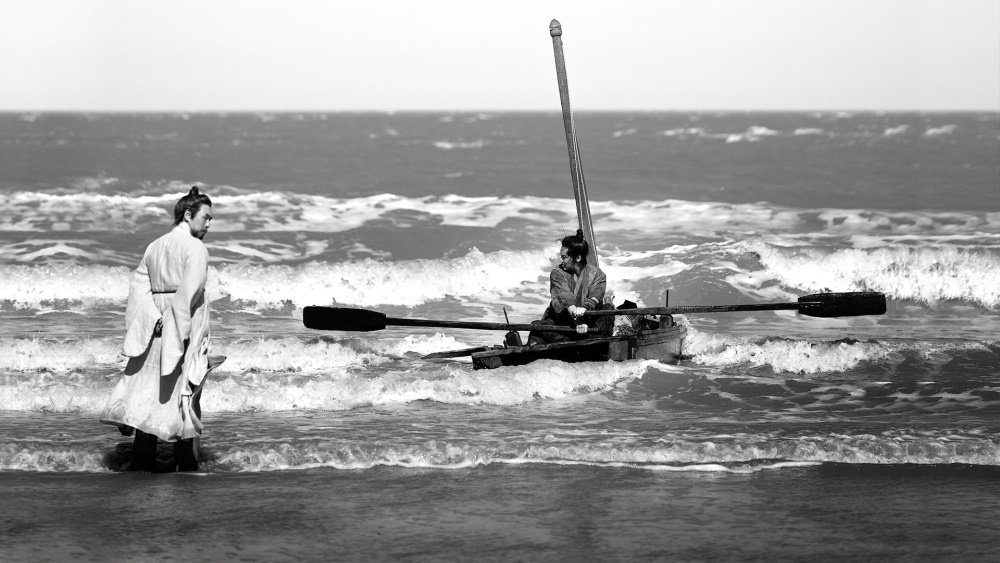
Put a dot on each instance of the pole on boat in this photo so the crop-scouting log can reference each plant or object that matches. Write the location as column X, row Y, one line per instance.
column 575, row 168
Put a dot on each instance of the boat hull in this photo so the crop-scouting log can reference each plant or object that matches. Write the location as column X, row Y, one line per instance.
column 663, row 344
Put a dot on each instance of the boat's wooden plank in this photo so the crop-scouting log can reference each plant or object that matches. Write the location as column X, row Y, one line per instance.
column 665, row 346
column 455, row 353
column 553, row 346
column 581, row 352
column 651, row 337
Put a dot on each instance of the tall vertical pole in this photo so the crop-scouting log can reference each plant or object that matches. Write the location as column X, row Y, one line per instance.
column 575, row 168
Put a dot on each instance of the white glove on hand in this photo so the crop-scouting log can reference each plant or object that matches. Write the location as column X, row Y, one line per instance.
column 581, row 329
column 576, row 312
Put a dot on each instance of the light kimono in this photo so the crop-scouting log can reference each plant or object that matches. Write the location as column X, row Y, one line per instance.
column 159, row 391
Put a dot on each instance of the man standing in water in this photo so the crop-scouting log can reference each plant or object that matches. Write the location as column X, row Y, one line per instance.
column 167, row 342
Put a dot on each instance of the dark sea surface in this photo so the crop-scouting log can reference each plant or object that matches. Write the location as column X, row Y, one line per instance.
column 778, row 437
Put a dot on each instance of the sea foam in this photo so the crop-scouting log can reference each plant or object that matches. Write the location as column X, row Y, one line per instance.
column 291, row 374
column 747, row 453
column 923, row 274
column 238, row 211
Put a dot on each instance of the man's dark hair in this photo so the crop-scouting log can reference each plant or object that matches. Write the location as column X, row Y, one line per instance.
column 193, row 201
column 576, row 246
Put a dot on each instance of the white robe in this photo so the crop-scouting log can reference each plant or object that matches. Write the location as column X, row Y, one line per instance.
column 158, row 392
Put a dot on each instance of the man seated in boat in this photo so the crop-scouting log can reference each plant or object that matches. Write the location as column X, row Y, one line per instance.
column 576, row 287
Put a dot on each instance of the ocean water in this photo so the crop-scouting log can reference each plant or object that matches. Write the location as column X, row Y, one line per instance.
column 777, row 437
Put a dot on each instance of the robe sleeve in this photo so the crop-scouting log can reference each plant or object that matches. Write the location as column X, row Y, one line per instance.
column 595, row 290
column 177, row 325
column 141, row 313
column 562, row 294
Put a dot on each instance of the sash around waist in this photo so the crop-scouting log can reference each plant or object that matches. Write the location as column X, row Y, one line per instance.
column 164, row 292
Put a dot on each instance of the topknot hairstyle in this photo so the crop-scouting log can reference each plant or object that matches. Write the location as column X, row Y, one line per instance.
column 576, row 246
column 193, row 201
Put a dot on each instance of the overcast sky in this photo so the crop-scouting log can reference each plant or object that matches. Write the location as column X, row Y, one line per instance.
column 301, row 55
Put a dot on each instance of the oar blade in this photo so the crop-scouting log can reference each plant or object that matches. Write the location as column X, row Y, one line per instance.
column 338, row 318
column 849, row 304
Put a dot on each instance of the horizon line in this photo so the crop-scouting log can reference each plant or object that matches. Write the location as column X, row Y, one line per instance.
column 509, row 110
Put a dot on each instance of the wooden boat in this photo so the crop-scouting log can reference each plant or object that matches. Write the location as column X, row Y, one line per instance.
column 660, row 340
column 651, row 333
column 661, row 343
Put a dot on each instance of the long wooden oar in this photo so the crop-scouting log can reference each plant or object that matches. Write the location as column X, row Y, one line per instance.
column 363, row 320
column 575, row 168
column 851, row 304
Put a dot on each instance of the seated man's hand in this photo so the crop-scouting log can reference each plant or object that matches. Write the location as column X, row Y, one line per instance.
column 581, row 329
column 576, row 312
